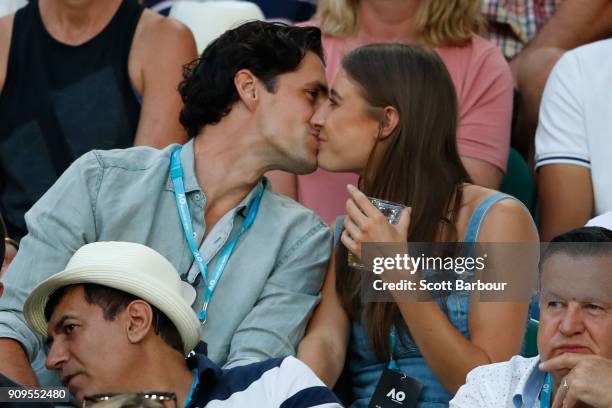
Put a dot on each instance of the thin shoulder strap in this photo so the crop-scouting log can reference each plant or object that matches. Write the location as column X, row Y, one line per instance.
column 338, row 229
column 471, row 234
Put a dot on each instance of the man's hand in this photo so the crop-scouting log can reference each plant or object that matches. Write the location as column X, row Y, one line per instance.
column 589, row 380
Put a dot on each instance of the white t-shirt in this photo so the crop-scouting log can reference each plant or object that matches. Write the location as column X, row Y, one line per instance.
column 575, row 125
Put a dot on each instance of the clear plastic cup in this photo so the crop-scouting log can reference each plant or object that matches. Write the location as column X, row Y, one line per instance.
column 392, row 211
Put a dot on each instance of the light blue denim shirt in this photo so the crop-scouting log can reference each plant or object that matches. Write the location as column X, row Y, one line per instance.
column 266, row 294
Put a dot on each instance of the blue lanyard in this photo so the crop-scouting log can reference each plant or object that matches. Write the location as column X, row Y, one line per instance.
column 176, row 174
column 194, row 385
column 392, row 344
column 546, row 393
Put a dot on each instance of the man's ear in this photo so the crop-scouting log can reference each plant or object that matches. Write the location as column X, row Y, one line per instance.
column 246, row 86
column 390, row 121
column 139, row 316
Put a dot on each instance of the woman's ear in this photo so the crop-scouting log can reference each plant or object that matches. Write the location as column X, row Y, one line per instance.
column 246, row 86
column 390, row 121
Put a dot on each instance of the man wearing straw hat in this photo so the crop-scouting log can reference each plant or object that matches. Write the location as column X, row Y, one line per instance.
column 115, row 321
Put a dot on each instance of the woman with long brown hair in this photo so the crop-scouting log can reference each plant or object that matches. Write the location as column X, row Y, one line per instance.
column 482, row 79
column 392, row 119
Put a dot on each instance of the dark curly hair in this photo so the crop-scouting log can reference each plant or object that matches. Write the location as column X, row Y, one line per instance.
column 266, row 49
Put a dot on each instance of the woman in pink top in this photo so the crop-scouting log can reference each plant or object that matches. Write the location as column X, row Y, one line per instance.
column 481, row 76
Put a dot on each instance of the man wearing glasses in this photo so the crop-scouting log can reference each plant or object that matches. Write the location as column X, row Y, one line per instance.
column 115, row 322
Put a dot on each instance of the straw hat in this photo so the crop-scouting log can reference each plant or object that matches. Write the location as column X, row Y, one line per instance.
column 128, row 267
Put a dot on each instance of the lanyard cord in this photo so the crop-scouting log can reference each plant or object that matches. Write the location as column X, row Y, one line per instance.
column 176, row 174
column 392, row 344
column 546, row 393
column 194, row 385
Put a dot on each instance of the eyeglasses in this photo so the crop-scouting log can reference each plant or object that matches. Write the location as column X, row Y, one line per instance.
column 148, row 399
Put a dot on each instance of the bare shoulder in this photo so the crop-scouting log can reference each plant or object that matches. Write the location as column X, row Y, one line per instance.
column 161, row 46
column 506, row 221
column 156, row 33
column 6, row 30
column 6, row 25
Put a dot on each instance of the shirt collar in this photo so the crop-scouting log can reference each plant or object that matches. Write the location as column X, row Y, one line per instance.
column 188, row 163
column 208, row 372
column 191, row 182
column 529, row 386
column 242, row 207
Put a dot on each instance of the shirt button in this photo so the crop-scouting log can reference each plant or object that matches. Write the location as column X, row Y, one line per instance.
column 197, row 196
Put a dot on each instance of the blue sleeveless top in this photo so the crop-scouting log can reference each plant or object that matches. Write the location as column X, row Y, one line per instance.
column 366, row 369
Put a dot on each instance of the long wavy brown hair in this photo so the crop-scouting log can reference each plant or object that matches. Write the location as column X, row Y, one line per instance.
column 437, row 22
column 418, row 165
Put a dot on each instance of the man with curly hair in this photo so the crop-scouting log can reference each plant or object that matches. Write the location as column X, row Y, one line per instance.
column 205, row 205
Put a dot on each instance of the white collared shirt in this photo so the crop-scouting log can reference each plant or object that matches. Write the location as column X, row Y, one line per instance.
column 510, row 384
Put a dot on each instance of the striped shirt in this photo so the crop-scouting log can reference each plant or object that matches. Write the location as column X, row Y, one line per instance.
column 513, row 23
column 280, row 383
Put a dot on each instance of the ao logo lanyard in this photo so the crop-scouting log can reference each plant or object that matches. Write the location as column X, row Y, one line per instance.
column 546, row 393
